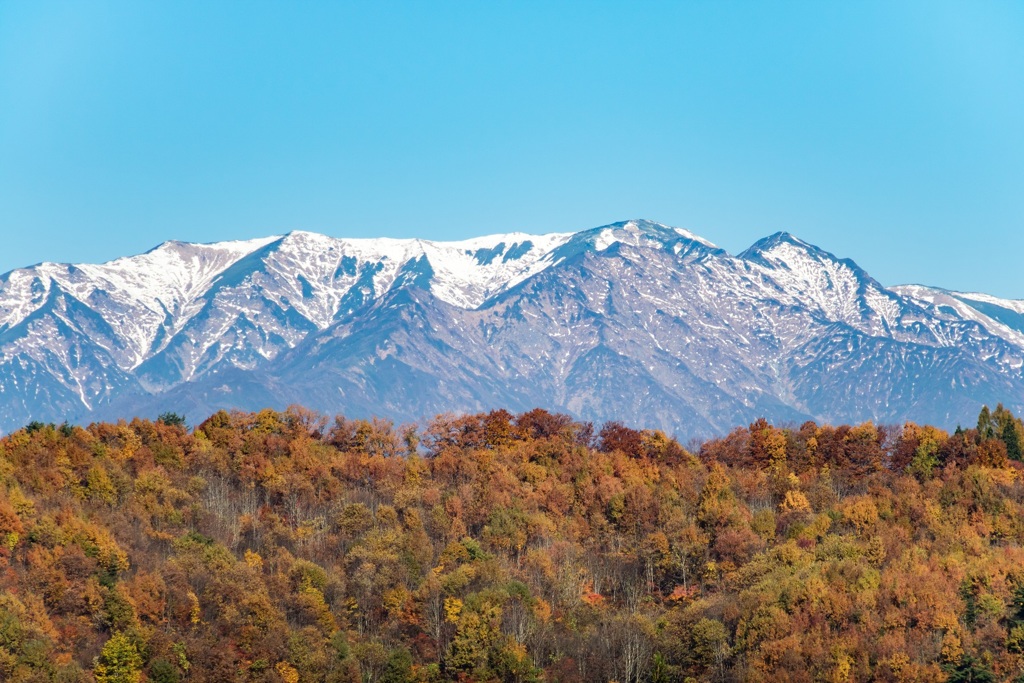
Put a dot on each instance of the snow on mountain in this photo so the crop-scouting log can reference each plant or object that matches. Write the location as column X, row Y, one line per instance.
column 837, row 287
column 137, row 295
column 181, row 310
column 635, row 320
column 1001, row 317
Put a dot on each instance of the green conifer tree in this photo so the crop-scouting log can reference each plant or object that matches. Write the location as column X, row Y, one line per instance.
column 986, row 430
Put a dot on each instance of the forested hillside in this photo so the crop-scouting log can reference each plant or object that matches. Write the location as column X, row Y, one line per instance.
column 496, row 547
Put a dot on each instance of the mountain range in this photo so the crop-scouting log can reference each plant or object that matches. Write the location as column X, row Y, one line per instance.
column 634, row 321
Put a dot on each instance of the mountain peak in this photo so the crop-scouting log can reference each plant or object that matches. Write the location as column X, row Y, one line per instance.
column 659, row 231
column 784, row 250
column 770, row 248
column 841, row 289
column 637, row 233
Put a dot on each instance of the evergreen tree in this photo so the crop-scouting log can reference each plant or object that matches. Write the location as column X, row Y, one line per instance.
column 172, row 419
column 970, row 670
column 986, row 430
column 398, row 668
column 1011, row 437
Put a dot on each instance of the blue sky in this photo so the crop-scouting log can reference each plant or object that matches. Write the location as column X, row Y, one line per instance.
column 890, row 133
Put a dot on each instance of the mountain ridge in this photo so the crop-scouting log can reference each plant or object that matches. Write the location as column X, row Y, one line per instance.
column 635, row 319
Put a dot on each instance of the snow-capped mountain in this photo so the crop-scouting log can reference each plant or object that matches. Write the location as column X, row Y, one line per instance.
column 634, row 321
column 1002, row 317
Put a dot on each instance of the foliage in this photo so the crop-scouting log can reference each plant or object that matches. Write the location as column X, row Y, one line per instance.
column 280, row 546
column 172, row 419
column 119, row 662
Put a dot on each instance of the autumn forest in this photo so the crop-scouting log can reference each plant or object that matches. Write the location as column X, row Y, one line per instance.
column 288, row 546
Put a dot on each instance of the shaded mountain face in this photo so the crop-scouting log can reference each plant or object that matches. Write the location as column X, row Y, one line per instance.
column 634, row 321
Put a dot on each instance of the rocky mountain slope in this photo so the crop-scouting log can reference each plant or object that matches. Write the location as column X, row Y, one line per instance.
column 635, row 320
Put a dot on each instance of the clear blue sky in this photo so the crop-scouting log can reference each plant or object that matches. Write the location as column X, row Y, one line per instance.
column 891, row 133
